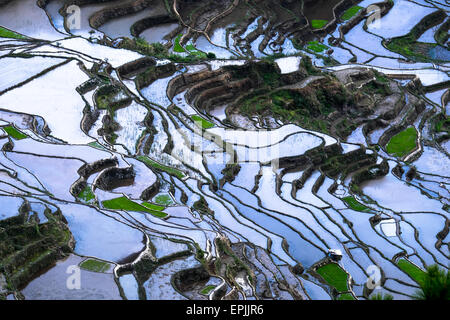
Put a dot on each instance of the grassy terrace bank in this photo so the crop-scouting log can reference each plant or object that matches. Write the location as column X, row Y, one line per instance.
column 318, row 24
column 413, row 271
column 14, row 133
column 409, row 47
column 346, row 296
column 177, row 46
column 158, row 166
column 206, row 290
column 163, row 199
column 403, row 143
column 126, row 204
column 334, row 275
column 204, row 123
column 350, row 13
column 5, row 33
column 157, row 50
column 95, row 265
column 152, row 206
column 316, row 46
column 355, row 205
column 86, row 195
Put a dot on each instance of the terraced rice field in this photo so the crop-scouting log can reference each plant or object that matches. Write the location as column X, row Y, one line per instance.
column 223, row 149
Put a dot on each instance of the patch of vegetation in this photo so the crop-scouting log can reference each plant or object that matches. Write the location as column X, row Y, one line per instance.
column 95, row 265
column 163, row 199
column 177, row 46
column 403, row 143
column 234, row 266
column 309, row 107
column 380, row 77
column 441, row 36
column 5, row 33
column 206, row 290
column 318, row 24
column 316, row 46
column 381, row 296
column 27, row 248
column 14, row 133
column 442, row 124
column 231, row 171
column 435, row 285
column 355, row 205
column 158, row 166
column 203, row 123
column 194, row 51
column 96, row 145
column 346, row 296
column 350, row 13
column 271, row 58
column 111, row 98
column 377, row 87
column 409, row 47
column 158, row 50
column 152, row 206
column 306, row 63
column 184, row 59
column 413, row 271
column 141, row 45
column 202, row 207
column 87, row 195
column 123, row 203
column 334, row 275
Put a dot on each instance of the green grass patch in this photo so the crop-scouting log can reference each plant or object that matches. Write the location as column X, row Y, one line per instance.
column 5, row 33
column 334, row 275
column 191, row 48
column 413, row 271
column 96, row 145
column 381, row 296
column 350, row 13
column 355, row 205
column 316, row 46
column 152, row 206
column 318, row 24
column 346, row 296
column 14, row 133
column 309, row 111
column 161, row 167
column 204, row 123
column 206, row 290
column 86, row 195
column 403, row 143
column 163, row 199
column 408, row 47
column 443, row 125
column 177, row 46
column 95, row 265
column 194, row 51
column 123, row 203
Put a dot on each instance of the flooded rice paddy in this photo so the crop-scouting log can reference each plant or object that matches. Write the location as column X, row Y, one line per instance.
column 99, row 114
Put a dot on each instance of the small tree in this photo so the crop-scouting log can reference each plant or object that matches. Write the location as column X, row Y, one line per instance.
column 435, row 285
